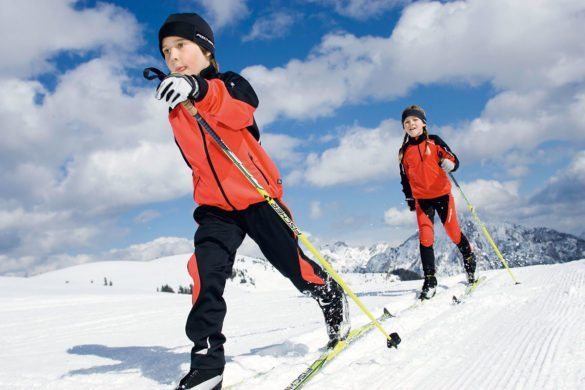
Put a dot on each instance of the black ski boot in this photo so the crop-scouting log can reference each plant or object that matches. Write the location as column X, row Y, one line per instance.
column 202, row 379
column 337, row 321
column 469, row 264
column 336, row 312
column 429, row 287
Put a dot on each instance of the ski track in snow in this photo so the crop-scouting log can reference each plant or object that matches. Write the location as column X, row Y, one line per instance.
column 504, row 336
column 527, row 336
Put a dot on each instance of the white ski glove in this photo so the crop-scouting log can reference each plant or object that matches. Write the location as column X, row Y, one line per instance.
column 447, row 165
column 177, row 88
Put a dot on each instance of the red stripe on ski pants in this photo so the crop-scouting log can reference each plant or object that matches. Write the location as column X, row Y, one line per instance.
column 217, row 239
column 425, row 215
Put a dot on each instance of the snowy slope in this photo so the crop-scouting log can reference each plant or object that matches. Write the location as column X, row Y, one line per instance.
column 60, row 331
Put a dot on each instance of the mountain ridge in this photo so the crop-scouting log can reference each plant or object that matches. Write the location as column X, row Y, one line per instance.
column 519, row 245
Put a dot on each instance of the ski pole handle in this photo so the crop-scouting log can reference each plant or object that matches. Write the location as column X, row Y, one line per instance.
column 190, row 107
column 154, row 73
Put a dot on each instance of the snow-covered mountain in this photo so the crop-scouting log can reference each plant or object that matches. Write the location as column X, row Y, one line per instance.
column 350, row 258
column 520, row 246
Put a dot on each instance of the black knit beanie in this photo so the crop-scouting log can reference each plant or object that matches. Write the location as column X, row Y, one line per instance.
column 414, row 112
column 189, row 26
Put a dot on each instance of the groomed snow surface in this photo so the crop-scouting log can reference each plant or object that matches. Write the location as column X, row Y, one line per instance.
column 61, row 331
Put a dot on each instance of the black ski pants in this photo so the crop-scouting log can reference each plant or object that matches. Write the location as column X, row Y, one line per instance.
column 218, row 236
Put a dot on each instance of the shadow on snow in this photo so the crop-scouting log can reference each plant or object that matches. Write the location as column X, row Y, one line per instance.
column 157, row 363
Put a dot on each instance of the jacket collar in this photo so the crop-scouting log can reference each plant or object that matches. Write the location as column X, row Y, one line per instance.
column 417, row 140
column 208, row 73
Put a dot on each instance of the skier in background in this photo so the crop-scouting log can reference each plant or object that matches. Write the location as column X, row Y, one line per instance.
column 228, row 206
column 425, row 161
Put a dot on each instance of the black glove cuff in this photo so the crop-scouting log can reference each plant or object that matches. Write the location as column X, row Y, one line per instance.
column 203, row 88
column 411, row 204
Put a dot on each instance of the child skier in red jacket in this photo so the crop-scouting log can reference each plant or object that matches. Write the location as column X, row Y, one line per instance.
column 425, row 161
column 229, row 207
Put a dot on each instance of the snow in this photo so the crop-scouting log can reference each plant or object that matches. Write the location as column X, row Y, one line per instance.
column 60, row 331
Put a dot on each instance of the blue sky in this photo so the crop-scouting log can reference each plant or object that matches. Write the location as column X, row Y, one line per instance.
column 89, row 169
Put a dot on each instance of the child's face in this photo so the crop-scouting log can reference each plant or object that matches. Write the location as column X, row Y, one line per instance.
column 413, row 126
column 184, row 56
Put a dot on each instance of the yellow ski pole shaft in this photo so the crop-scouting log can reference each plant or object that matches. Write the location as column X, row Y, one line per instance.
column 392, row 339
column 484, row 230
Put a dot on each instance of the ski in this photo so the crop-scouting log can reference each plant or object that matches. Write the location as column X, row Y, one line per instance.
column 328, row 355
column 468, row 291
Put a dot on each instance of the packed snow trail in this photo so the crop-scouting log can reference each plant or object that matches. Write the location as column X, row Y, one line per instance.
column 527, row 336
column 58, row 331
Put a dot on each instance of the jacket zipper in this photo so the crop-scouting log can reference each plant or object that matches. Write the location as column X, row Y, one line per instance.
column 196, row 184
column 258, row 168
column 213, row 168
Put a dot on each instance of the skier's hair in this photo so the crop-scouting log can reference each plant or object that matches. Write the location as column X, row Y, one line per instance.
column 211, row 58
column 425, row 133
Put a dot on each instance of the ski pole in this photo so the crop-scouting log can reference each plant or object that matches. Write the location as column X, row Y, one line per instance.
column 392, row 339
column 483, row 228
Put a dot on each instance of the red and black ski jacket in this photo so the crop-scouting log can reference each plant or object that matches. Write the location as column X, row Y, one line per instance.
column 227, row 103
column 421, row 174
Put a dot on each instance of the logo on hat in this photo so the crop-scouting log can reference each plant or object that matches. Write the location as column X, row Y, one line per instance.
column 201, row 36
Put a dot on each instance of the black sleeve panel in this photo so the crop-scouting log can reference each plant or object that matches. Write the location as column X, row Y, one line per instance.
column 405, row 183
column 444, row 146
column 239, row 88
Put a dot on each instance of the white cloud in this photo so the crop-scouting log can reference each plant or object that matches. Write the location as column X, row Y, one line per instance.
column 74, row 157
column 489, row 196
column 147, row 216
column 514, row 45
column 312, row 90
column 362, row 155
column 282, row 148
column 139, row 175
column 316, row 210
column 403, row 217
column 519, row 123
column 223, row 13
column 80, row 156
column 27, row 51
column 28, row 236
column 566, row 187
column 535, row 104
column 271, row 26
column 559, row 203
column 362, row 9
column 160, row 247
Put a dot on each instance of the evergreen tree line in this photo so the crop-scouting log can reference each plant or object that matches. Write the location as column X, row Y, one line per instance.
column 181, row 290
